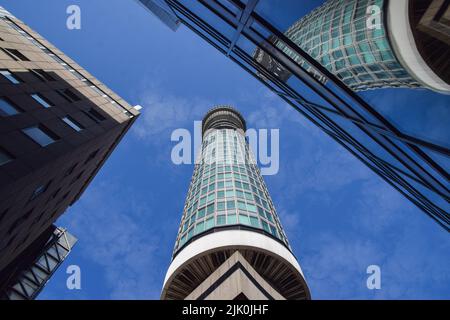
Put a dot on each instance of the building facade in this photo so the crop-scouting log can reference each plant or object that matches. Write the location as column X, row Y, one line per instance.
column 58, row 125
column 361, row 42
column 416, row 33
column 230, row 228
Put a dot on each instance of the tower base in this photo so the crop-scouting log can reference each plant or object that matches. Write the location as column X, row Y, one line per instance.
column 235, row 279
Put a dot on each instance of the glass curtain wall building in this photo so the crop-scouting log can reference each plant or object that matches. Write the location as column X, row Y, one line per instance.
column 337, row 35
column 228, row 214
column 405, row 155
column 227, row 188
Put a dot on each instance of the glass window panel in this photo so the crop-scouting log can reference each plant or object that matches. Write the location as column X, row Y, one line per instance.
column 232, row 219
column 41, row 100
column 254, row 221
column 73, row 123
column 244, row 219
column 8, row 75
column 7, row 108
column 221, row 220
column 209, row 223
column 40, row 135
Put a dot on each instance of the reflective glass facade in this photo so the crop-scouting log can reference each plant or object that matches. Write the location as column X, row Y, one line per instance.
column 227, row 189
column 405, row 143
column 336, row 35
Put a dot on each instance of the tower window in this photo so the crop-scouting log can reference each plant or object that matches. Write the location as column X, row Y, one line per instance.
column 41, row 135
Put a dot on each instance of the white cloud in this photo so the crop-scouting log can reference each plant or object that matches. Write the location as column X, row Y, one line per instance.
column 119, row 239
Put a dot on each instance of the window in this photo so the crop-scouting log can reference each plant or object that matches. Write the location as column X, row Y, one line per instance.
column 41, row 135
column 210, row 209
column 5, row 157
column 42, row 75
column 221, row 219
column 254, row 221
column 97, row 114
column 244, row 219
column 42, row 100
column 75, row 125
column 15, row 54
column 8, row 108
column 94, row 115
column 68, row 95
column 40, row 190
column 11, row 77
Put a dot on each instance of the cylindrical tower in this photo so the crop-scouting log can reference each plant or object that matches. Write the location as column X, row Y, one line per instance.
column 371, row 44
column 230, row 243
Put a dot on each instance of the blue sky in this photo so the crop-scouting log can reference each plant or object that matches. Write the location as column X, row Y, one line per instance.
column 339, row 216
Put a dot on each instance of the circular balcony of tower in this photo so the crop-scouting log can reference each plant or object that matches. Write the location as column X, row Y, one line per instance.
column 223, row 117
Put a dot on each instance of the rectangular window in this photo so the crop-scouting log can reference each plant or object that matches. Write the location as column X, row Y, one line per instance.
column 244, row 219
column 42, row 75
column 8, row 108
column 75, row 125
column 254, row 221
column 201, row 213
column 15, row 54
column 209, row 223
column 68, row 95
column 41, row 135
column 221, row 220
column 42, row 100
column 220, row 206
column 5, row 157
column 9, row 76
column 96, row 115
column 265, row 226
column 232, row 219
column 210, row 209
column 199, row 227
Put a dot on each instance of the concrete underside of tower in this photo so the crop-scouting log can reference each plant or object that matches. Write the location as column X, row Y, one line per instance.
column 235, row 264
column 235, row 279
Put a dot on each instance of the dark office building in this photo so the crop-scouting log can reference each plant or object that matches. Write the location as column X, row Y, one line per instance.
column 58, row 125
